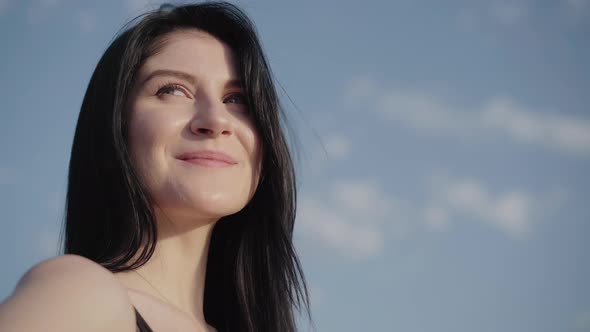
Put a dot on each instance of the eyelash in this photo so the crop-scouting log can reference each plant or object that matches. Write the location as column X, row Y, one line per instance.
column 165, row 87
column 239, row 96
column 169, row 87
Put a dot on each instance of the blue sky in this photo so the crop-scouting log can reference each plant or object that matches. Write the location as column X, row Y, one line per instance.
column 443, row 152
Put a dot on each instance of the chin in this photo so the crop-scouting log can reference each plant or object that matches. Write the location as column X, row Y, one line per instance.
column 215, row 210
column 206, row 205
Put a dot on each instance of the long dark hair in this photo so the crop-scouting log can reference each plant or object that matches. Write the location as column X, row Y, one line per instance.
column 254, row 279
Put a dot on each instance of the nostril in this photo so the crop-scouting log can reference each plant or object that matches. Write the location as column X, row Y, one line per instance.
column 204, row 131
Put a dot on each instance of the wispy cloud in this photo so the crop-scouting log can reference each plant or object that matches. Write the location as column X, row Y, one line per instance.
column 436, row 216
column 355, row 218
column 338, row 147
column 499, row 117
column 361, row 88
column 333, row 147
column 333, row 229
column 512, row 211
column 362, row 199
column 424, row 112
column 552, row 130
column 348, row 219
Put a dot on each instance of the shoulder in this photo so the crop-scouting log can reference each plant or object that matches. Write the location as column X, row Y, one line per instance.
column 68, row 293
column 67, row 267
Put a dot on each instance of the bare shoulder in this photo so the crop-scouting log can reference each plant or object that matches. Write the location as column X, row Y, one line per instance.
column 67, row 267
column 68, row 293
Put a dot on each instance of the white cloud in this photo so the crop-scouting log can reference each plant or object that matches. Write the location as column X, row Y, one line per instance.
column 460, row 198
column 338, row 147
column 550, row 130
column 331, row 228
column 355, row 218
column 333, row 148
column 349, row 219
column 436, row 218
column 423, row 112
column 361, row 88
column 362, row 199
column 499, row 117
column 512, row 212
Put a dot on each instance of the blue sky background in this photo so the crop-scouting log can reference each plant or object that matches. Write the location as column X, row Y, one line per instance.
column 443, row 161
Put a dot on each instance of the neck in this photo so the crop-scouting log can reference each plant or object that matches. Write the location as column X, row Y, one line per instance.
column 177, row 269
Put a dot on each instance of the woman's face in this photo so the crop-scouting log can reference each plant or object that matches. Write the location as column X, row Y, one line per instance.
column 191, row 136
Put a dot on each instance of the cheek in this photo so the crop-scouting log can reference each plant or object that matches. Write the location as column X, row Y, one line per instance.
column 153, row 124
column 142, row 136
column 139, row 142
column 148, row 132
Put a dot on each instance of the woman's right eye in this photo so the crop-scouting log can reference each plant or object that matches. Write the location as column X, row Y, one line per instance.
column 173, row 90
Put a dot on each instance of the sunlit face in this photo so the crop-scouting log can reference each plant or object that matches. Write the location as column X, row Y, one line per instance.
column 191, row 136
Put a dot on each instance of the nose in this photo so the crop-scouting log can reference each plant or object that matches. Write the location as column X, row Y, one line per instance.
column 211, row 119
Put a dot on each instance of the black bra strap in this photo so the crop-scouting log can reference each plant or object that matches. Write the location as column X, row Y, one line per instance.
column 142, row 326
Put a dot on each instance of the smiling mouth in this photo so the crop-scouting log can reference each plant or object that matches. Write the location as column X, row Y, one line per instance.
column 207, row 158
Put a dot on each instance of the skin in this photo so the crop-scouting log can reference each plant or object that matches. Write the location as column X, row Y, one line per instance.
column 171, row 114
column 66, row 294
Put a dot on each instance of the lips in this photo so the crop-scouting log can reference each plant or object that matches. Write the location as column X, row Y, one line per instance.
column 207, row 158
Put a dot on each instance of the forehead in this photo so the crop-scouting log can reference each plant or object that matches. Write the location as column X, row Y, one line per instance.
column 192, row 51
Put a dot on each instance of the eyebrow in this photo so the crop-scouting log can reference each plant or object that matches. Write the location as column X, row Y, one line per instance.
column 232, row 83
column 168, row 72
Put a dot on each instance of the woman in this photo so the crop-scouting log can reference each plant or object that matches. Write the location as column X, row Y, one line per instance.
column 181, row 192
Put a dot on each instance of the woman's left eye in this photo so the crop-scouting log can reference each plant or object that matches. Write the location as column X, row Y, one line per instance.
column 171, row 89
column 235, row 99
